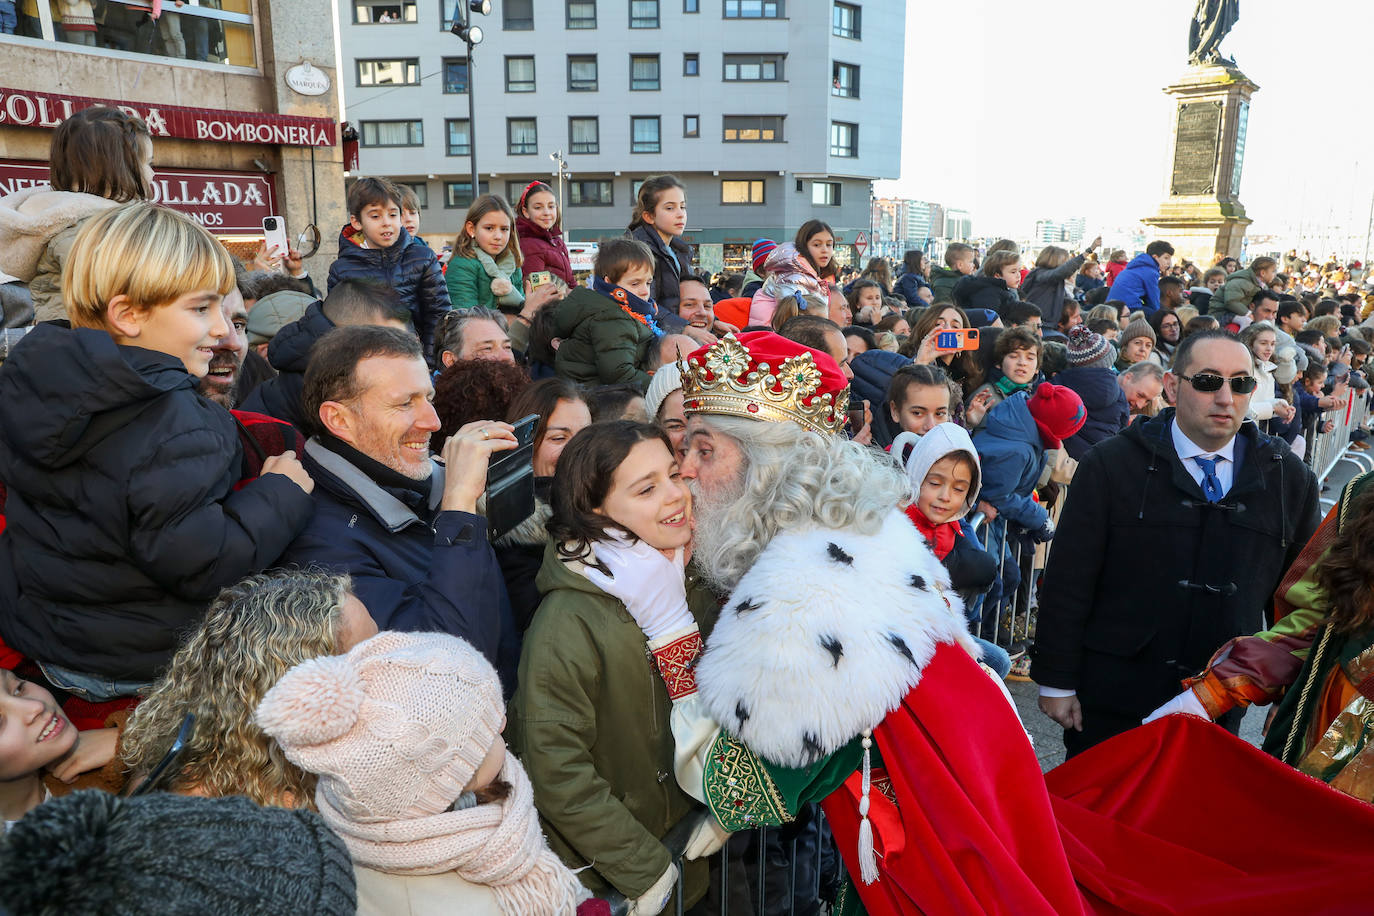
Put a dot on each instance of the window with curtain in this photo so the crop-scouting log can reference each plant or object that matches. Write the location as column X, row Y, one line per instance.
column 522, row 136
column 644, row 135
column 459, row 137
column 825, row 193
column 584, row 135
column 581, row 14
column 393, row 133
column 581, row 72
column 844, row 139
column 643, row 14
column 590, row 193
column 517, row 15
column 753, row 67
column 644, row 72
column 519, row 74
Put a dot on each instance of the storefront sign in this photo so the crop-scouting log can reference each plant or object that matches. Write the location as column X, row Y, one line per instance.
column 307, row 79
column 23, row 108
column 226, row 203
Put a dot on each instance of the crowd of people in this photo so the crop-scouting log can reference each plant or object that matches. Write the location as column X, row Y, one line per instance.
column 251, row 546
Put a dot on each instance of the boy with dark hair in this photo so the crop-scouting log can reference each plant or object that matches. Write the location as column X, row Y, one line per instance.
column 376, row 246
column 1241, row 288
column 1022, row 314
column 1170, row 293
column 1138, row 284
column 959, row 261
column 610, row 327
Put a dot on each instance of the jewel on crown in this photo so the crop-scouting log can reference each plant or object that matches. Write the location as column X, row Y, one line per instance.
column 727, row 380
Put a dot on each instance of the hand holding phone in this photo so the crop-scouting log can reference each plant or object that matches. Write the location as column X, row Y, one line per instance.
column 539, row 278
column 955, row 339
column 274, row 232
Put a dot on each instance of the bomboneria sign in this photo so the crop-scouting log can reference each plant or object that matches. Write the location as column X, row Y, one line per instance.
column 24, row 108
column 227, row 203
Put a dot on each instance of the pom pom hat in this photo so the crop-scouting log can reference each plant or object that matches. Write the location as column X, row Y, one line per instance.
column 1089, row 349
column 395, row 729
column 763, row 376
column 762, row 249
column 1058, row 413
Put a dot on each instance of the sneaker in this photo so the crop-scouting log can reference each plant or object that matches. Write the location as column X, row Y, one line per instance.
column 1020, row 670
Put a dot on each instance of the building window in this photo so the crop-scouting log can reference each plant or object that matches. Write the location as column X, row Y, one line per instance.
column 691, row 6
column 366, row 12
column 644, row 135
column 581, row 72
column 741, row 192
column 753, row 9
column 455, row 74
column 691, row 126
column 584, row 135
column 844, row 139
column 581, row 14
column 233, row 41
column 845, row 80
column 643, row 14
column 393, row 133
column 421, row 190
column 691, row 65
column 844, row 20
column 825, row 193
column 519, row 74
column 522, row 136
column 752, row 129
column 458, row 194
column 644, row 71
column 459, row 137
column 746, row 68
column 517, row 15
column 590, row 194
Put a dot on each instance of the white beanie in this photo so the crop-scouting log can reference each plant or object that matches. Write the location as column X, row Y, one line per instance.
column 667, row 379
column 944, row 439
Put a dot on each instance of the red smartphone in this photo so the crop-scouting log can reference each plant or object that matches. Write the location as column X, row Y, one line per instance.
column 956, row 339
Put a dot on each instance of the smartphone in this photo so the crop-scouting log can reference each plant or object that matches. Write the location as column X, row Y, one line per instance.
column 274, row 229
column 856, row 417
column 539, row 278
column 956, row 339
column 510, row 481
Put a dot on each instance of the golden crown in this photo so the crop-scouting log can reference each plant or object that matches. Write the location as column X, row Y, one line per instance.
column 727, row 380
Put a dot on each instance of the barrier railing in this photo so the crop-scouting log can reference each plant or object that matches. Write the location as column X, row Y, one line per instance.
column 1329, row 449
column 1007, row 544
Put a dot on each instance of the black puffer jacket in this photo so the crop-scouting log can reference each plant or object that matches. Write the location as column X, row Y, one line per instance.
column 409, row 266
column 670, row 262
column 289, row 354
column 123, row 520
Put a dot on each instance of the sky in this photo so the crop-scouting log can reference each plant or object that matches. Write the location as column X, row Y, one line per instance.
column 1019, row 110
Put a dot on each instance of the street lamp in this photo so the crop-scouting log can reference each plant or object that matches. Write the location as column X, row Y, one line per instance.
column 471, row 35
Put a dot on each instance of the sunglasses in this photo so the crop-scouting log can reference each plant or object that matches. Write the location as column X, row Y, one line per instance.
column 1203, row 381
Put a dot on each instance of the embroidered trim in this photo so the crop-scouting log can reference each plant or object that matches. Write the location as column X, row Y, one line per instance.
column 883, row 783
column 739, row 790
column 677, row 664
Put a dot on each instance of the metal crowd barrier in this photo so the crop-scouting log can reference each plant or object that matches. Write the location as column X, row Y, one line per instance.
column 1019, row 603
column 1327, row 450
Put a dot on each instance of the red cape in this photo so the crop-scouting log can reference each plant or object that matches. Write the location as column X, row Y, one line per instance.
column 1174, row 817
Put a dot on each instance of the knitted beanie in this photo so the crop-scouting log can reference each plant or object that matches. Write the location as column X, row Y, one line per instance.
column 667, row 379
column 172, row 855
column 275, row 311
column 1089, row 350
column 1058, row 413
column 1138, row 328
column 395, row 729
column 762, row 248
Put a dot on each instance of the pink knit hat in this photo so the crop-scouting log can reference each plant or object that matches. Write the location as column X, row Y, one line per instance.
column 395, row 729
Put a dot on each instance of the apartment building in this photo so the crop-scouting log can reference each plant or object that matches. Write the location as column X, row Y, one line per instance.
column 771, row 112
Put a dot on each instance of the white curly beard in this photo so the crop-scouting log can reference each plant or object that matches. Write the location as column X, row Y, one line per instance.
column 721, row 521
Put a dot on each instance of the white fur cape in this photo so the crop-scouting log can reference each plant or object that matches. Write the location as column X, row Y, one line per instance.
column 824, row 636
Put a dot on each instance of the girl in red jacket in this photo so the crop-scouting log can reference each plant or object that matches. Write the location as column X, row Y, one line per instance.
column 540, row 232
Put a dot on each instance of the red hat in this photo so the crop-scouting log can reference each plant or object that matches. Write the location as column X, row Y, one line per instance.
column 1058, row 413
column 734, row 311
column 762, row 376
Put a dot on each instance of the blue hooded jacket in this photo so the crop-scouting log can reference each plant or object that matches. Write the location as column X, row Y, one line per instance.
column 1138, row 284
column 1103, row 399
column 1013, row 459
column 873, row 372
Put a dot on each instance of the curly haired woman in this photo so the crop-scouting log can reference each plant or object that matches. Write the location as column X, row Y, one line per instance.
column 255, row 631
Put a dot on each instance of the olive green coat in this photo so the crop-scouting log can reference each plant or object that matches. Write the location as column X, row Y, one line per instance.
column 589, row 721
column 601, row 344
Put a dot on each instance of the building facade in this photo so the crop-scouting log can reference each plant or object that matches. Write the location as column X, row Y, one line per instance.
column 238, row 95
column 771, row 112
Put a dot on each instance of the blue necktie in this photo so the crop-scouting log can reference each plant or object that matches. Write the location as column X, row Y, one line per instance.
column 1211, row 486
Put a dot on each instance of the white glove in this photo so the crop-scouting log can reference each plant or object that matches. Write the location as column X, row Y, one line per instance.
column 706, row 839
column 652, row 901
column 651, row 586
column 1186, row 703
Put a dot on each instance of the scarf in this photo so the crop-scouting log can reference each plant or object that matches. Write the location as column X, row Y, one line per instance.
column 645, row 311
column 1008, row 387
column 497, row 845
column 939, row 537
column 500, row 272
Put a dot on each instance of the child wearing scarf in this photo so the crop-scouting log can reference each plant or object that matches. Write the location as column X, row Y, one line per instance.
column 1015, row 367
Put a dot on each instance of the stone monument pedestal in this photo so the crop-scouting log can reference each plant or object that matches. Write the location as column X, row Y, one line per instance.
column 1201, row 214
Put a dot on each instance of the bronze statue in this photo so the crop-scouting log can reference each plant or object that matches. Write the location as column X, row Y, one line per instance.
column 1211, row 21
